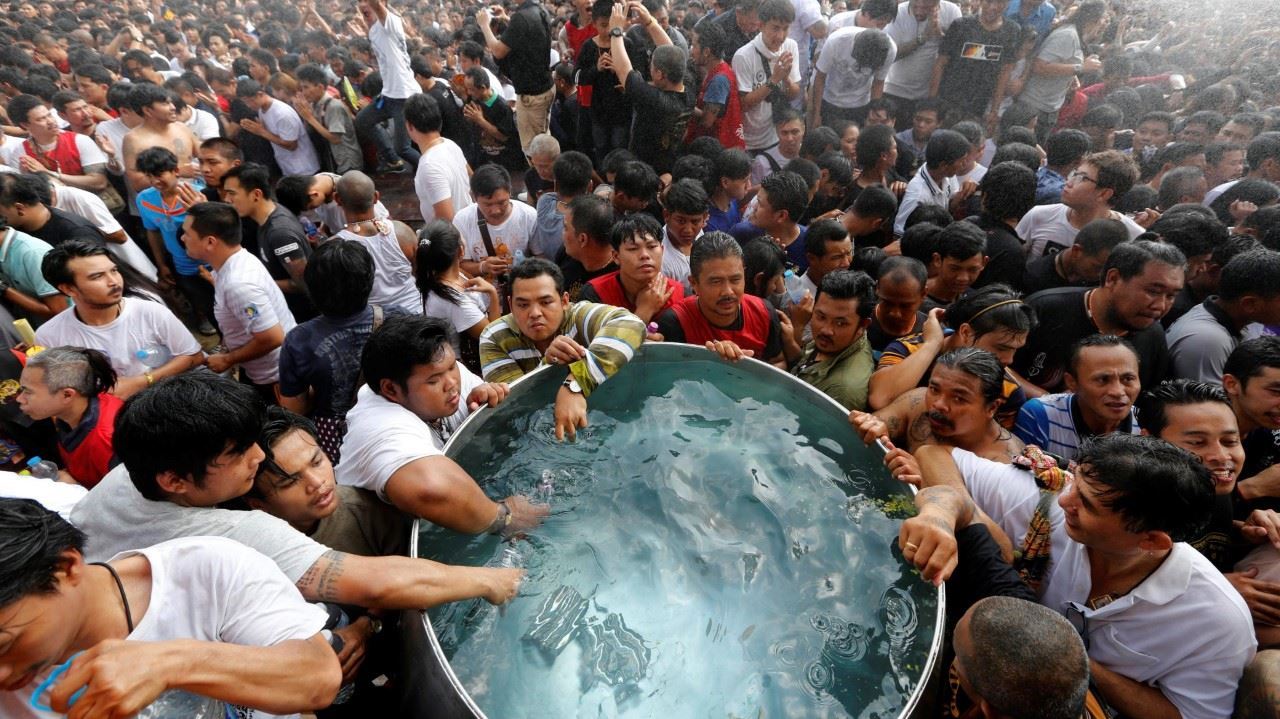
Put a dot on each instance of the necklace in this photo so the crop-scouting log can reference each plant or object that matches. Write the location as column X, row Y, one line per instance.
column 128, row 614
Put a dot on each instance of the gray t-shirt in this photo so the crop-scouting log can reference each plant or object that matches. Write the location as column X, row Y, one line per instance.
column 1199, row 344
column 1046, row 94
column 118, row 518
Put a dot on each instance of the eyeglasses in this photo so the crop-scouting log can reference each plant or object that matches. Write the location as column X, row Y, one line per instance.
column 1079, row 176
column 1079, row 621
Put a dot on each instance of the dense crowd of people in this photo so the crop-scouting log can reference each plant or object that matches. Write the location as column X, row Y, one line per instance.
column 1032, row 246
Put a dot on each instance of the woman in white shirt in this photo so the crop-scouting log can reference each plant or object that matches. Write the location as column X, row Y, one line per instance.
column 469, row 304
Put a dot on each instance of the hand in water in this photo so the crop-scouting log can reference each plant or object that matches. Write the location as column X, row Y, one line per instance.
column 525, row 515
column 502, row 584
column 571, row 414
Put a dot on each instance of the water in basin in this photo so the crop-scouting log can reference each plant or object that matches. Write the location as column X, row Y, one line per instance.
column 720, row 545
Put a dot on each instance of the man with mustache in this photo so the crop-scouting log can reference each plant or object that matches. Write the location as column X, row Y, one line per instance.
column 957, row 408
column 838, row 359
column 1102, row 383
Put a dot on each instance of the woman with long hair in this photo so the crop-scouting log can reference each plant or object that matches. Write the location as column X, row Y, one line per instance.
column 468, row 303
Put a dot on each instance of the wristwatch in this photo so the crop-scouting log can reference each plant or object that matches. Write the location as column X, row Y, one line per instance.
column 1079, row 68
column 616, row 32
column 571, row 383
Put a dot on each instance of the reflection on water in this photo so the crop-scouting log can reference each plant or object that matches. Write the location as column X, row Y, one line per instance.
column 711, row 551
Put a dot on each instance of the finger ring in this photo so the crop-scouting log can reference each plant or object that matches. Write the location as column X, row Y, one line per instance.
column 912, row 546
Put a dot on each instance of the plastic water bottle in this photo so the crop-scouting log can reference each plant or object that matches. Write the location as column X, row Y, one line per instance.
column 795, row 286
column 154, row 356
column 519, row 257
column 42, row 468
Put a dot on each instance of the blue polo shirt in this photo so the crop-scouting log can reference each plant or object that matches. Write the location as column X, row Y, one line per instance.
column 20, row 258
column 1041, row 19
column 167, row 220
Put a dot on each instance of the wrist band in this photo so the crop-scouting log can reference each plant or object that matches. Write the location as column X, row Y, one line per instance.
column 500, row 522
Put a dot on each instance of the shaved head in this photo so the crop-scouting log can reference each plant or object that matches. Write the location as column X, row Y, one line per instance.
column 356, row 192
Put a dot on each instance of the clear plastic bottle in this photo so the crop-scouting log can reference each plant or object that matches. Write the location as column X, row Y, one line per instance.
column 519, row 257
column 42, row 468
column 154, row 356
column 795, row 286
column 178, row 704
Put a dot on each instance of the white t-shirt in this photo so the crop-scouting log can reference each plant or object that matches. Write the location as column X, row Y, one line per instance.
column 92, row 208
column 58, row 497
column 808, row 12
column 203, row 124
column 116, row 517
column 382, row 437
column 442, row 174
column 90, row 153
column 283, row 121
column 1216, row 192
column 246, row 300
column 757, row 123
column 1196, row 670
column 848, row 85
column 910, row 76
column 472, row 308
column 209, row 589
column 387, row 39
column 393, row 283
column 1045, row 229
column 922, row 190
column 114, row 130
column 514, row 233
column 675, row 264
column 141, row 324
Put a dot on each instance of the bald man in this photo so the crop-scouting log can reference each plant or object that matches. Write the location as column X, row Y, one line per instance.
column 392, row 243
column 1016, row 658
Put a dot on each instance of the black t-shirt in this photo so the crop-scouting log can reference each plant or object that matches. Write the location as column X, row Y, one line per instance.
column 1063, row 321
column 879, row 339
column 63, row 226
column 282, row 240
column 1042, row 274
column 976, row 56
column 671, row 331
column 1261, row 451
column 507, row 154
column 728, row 21
column 1005, row 261
column 576, row 276
column 253, row 147
column 452, row 124
column 661, row 117
column 529, row 61
column 1221, row 543
column 610, row 107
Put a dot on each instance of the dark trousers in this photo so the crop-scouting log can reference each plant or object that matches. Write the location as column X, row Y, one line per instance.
column 199, row 293
column 906, row 110
column 368, row 129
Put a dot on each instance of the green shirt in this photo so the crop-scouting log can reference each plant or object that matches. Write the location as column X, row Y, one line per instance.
column 611, row 335
column 844, row 377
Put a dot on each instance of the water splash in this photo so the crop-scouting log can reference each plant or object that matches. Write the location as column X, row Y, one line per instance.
column 898, row 614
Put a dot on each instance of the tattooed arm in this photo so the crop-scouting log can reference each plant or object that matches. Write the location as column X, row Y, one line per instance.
column 937, row 468
column 928, row 540
column 402, row 582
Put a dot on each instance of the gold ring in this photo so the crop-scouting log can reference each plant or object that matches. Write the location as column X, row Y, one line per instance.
column 912, row 546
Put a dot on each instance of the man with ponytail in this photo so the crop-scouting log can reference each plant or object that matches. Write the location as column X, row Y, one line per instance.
column 72, row 386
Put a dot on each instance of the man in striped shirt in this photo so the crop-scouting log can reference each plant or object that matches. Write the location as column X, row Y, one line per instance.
column 593, row 340
column 1102, row 376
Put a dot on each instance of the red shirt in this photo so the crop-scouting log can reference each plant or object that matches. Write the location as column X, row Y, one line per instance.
column 754, row 335
column 728, row 127
column 64, row 157
column 86, row 449
column 609, row 289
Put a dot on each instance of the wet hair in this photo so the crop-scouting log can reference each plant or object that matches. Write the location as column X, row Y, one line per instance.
column 1008, row 190
column 899, row 269
column 1252, row 356
column 1250, row 189
column 593, row 216
column 1020, row 152
column 686, row 197
column 992, row 308
column 1250, row 273
column 533, row 268
column 1191, row 232
column 34, row 542
column 1078, row 348
column 277, row 424
column 850, row 285
column 920, row 241
column 345, row 269
column 732, row 164
column 86, row 371
column 787, row 191
column 820, row 233
column 1129, row 259
column 945, row 147
column 982, row 365
column 960, row 241
column 182, row 425
column 1176, row 183
column 1066, row 147
column 1153, row 403
column 633, row 227
column 873, row 142
column 217, row 219
column 637, row 180
column 155, row 160
column 760, row 256
column 712, row 246
column 1025, row 660
column 1152, row 485
column 422, row 112
column 401, row 344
